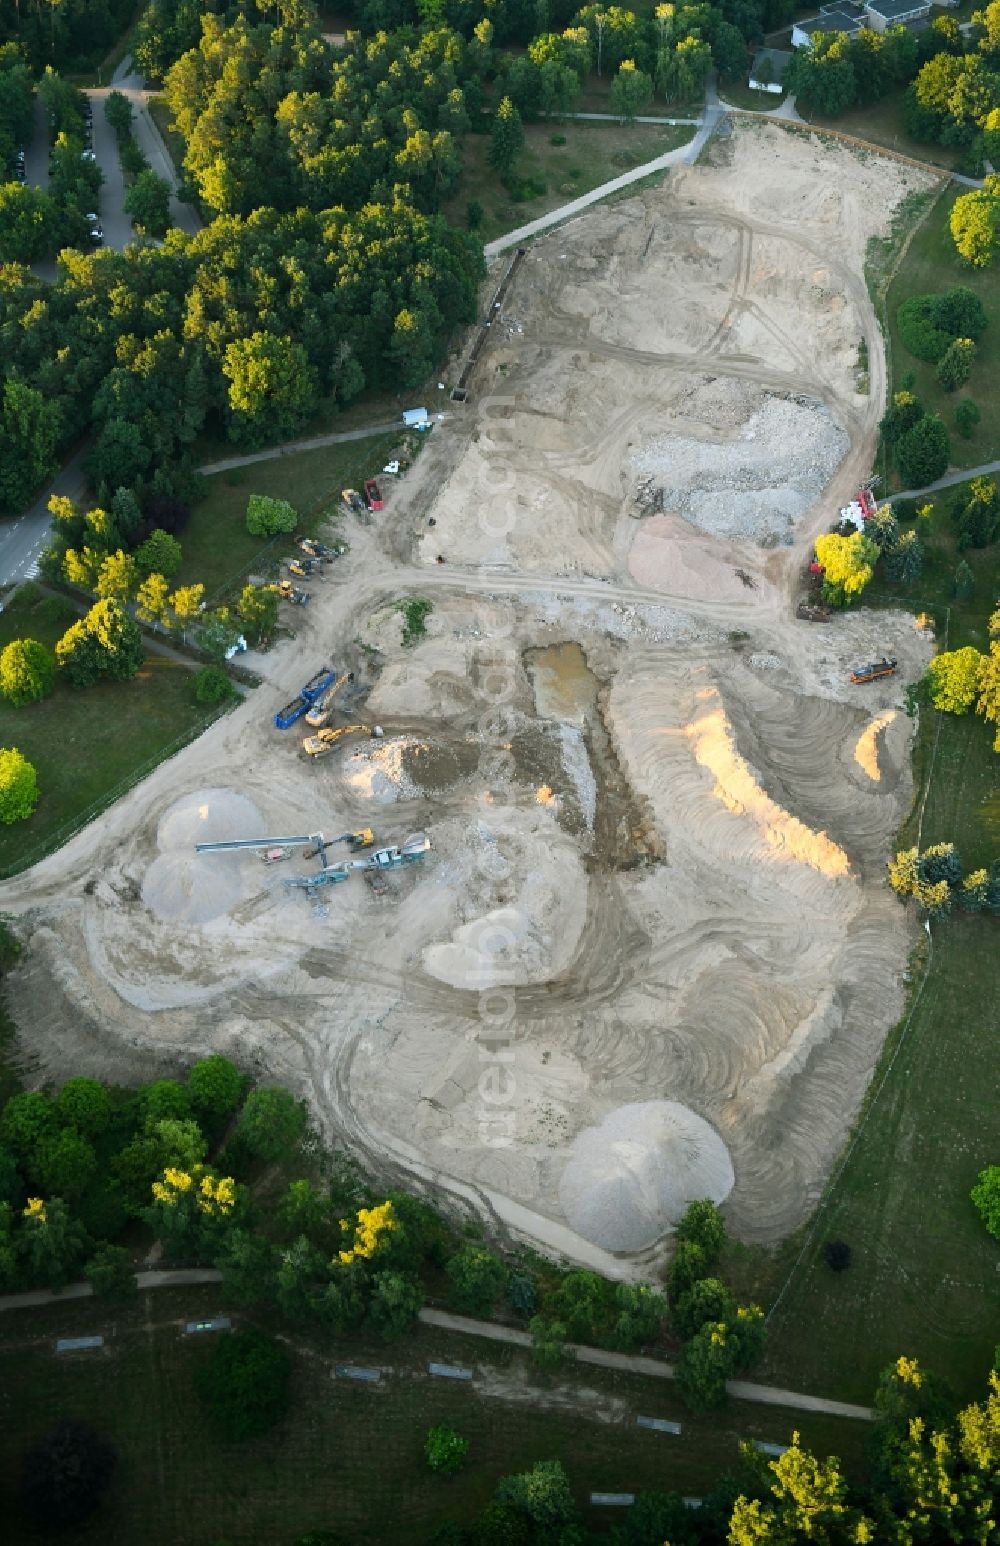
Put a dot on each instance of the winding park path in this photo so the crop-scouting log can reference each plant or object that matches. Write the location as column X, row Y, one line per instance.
column 489, row 1331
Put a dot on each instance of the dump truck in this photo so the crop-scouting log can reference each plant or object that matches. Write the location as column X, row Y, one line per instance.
column 323, row 707
column 373, row 495
column 289, row 592
column 314, row 688
column 318, row 745
column 872, row 672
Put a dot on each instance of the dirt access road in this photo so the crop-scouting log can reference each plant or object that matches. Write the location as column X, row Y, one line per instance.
column 651, row 955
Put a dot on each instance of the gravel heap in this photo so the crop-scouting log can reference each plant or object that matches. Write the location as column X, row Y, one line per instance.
column 186, row 887
column 755, row 486
column 629, row 1179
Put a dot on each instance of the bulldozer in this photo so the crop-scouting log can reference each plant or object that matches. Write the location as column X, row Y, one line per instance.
column 289, row 592
column 306, row 568
column 872, row 672
column 325, row 740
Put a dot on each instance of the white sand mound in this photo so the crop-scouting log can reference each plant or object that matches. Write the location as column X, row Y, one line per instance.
column 208, row 816
column 375, row 771
column 194, row 888
column 186, row 887
column 630, row 1178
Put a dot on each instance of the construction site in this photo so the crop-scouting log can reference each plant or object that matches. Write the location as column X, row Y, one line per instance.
column 614, row 932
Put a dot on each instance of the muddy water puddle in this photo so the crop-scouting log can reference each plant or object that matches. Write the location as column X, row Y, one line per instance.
column 565, row 687
column 591, row 790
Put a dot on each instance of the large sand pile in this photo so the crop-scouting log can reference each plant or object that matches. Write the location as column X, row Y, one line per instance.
column 629, row 1179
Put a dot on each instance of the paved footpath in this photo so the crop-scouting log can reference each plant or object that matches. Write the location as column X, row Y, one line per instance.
column 489, row 1331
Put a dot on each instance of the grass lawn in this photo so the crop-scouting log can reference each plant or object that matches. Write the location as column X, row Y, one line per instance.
column 86, row 746
column 882, row 123
column 593, row 153
column 931, row 264
column 219, row 552
column 348, row 1457
column 924, row 1275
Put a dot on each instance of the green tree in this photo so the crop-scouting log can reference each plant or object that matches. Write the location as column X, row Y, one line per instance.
column 702, row 1224
column 542, row 1494
column 848, row 565
column 988, row 703
column 111, row 1274
column 28, row 222
column 904, row 412
column 29, row 435
column 641, row 1313
column 394, row 1303
column 164, row 1100
column 506, row 137
column 964, row 582
column 148, row 203
column 51, row 1243
column 152, row 598
column 18, row 786
column 117, row 578
column 28, row 1119
column 64, row 1164
column 953, row 679
column 476, row 1278
column 548, row 1341
column 244, row 1384
column 689, row 1263
column 118, row 112
column 215, row 1086
column 986, row 1198
column 84, row 1104
column 808, row 1501
column 273, row 388
column 923, row 453
column 27, row 672
column 160, row 554
column 445, row 1450
column 631, row 92
column 974, row 896
column 212, row 686
column 119, row 456
column 975, row 224
column 967, row 415
column 904, row 560
column 107, row 642
column 257, row 610
column 271, row 1124
column 707, row 1300
column 266, row 517
column 706, row 1362
column 955, row 366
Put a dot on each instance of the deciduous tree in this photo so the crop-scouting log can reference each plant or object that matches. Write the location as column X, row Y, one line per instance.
column 18, row 786
column 953, row 679
column 27, row 672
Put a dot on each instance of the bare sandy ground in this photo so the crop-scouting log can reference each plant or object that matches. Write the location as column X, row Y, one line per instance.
column 651, row 955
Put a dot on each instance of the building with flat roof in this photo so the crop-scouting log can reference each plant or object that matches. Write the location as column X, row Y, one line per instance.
column 830, row 20
column 883, row 14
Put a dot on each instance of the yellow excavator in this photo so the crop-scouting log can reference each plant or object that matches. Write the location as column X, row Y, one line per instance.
column 318, row 745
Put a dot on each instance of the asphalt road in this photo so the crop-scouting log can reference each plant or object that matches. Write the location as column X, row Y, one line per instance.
column 23, row 538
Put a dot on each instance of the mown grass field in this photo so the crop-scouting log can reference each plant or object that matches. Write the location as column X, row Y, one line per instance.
column 931, row 265
column 85, row 744
column 593, row 153
column 220, row 553
column 348, row 1457
column 924, row 1275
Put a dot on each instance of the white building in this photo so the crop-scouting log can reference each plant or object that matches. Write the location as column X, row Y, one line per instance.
column 767, row 70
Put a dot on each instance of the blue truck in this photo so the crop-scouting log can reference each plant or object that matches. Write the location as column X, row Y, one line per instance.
column 314, row 688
